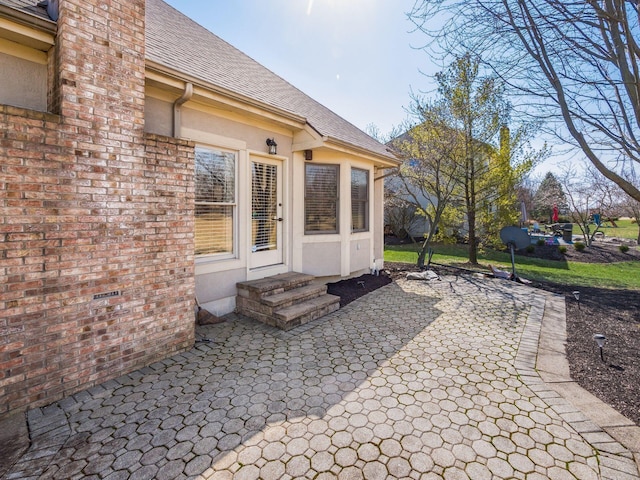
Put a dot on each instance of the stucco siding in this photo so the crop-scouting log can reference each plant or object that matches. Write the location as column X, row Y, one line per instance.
column 23, row 83
column 322, row 259
column 217, row 290
column 254, row 134
column 360, row 255
column 158, row 116
column 378, row 221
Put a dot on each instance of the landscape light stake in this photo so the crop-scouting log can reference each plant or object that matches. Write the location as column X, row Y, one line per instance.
column 600, row 339
column 576, row 294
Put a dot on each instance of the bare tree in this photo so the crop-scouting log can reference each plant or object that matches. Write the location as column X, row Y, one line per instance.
column 525, row 192
column 631, row 206
column 575, row 62
column 587, row 192
column 428, row 178
column 400, row 216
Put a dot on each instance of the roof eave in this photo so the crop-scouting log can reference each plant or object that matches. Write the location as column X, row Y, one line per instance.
column 382, row 160
column 27, row 29
column 28, row 19
column 296, row 121
column 232, row 97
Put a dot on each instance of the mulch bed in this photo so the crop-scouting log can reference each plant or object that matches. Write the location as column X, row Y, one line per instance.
column 597, row 253
column 613, row 313
column 351, row 289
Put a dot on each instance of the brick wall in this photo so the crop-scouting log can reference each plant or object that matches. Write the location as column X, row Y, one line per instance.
column 90, row 205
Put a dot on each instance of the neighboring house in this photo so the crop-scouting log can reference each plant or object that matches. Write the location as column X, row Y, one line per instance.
column 400, row 210
column 143, row 161
column 403, row 200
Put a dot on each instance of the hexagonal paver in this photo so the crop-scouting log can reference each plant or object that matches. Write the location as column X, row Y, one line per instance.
column 417, row 380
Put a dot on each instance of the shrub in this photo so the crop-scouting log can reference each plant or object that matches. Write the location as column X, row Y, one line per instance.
column 530, row 249
column 624, row 248
column 540, row 242
column 562, row 249
column 579, row 246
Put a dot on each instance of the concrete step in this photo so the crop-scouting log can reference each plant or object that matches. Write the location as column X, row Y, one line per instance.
column 273, row 285
column 285, row 301
column 303, row 312
column 289, row 297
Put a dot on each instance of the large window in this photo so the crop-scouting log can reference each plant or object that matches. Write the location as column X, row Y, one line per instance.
column 321, row 198
column 215, row 202
column 359, row 200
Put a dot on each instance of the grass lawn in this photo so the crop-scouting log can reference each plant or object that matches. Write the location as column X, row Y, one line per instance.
column 624, row 229
column 625, row 275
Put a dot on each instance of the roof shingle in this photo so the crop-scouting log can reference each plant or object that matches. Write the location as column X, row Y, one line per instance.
column 27, row 6
column 176, row 41
column 182, row 45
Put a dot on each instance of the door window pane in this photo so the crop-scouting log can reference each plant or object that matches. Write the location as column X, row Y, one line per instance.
column 264, row 222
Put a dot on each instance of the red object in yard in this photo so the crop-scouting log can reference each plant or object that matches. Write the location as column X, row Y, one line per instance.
column 554, row 218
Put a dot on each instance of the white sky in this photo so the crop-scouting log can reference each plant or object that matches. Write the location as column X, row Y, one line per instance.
column 353, row 56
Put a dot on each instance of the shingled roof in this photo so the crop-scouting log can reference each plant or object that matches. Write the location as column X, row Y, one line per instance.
column 177, row 42
column 27, row 6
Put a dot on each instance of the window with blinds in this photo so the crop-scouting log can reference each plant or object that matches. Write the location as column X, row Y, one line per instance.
column 215, row 205
column 359, row 200
column 321, row 198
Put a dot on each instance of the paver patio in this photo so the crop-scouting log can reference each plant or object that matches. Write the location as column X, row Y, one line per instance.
column 416, row 380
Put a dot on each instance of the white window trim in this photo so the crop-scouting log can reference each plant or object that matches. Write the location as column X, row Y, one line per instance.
column 234, row 254
column 368, row 201
column 308, row 233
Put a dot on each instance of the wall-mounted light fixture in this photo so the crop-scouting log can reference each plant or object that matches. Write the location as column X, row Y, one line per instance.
column 273, row 146
column 308, row 155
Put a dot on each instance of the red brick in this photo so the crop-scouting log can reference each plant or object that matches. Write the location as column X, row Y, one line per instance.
column 90, row 204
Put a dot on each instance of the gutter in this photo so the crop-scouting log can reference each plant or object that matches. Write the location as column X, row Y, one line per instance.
column 161, row 69
column 177, row 110
column 28, row 19
column 390, row 160
column 157, row 67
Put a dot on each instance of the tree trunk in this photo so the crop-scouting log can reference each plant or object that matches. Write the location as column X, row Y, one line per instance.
column 473, row 241
column 425, row 247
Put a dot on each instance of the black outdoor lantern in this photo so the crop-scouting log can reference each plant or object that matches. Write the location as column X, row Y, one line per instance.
column 271, row 143
column 600, row 340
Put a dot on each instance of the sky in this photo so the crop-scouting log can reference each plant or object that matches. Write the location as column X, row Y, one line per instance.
column 356, row 57
column 360, row 58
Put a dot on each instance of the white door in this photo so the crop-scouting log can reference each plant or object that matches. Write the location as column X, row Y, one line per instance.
column 266, row 212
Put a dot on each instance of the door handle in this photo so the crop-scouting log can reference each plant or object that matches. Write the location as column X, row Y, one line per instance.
column 278, row 218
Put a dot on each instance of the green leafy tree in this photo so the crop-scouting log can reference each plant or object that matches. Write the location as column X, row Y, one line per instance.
column 508, row 169
column 489, row 173
column 452, row 160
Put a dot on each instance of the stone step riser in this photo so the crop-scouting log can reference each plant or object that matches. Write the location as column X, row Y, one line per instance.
column 285, row 301
column 307, row 317
column 273, row 285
